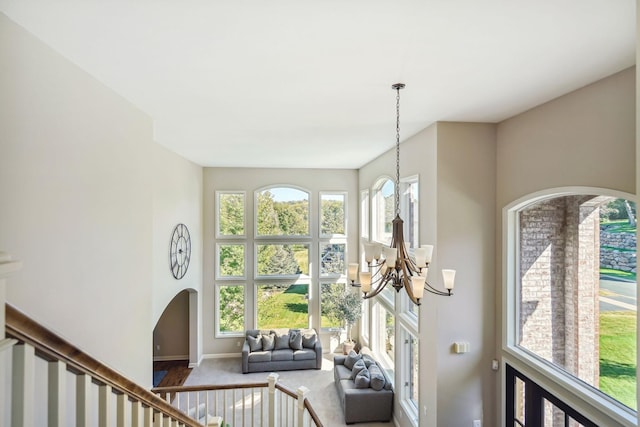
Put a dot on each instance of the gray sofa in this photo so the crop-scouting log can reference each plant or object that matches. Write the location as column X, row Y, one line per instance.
column 360, row 402
column 281, row 350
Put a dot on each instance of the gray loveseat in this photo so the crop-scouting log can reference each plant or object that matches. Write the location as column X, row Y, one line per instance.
column 281, row 350
column 364, row 396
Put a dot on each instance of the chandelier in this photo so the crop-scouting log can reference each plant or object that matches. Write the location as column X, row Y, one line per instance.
column 394, row 265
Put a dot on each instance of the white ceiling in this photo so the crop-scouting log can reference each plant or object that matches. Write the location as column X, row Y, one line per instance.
column 300, row 83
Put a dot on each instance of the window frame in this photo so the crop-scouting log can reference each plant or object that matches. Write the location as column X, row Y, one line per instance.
column 595, row 404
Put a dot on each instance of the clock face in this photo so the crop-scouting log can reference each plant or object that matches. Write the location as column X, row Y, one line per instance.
column 180, row 251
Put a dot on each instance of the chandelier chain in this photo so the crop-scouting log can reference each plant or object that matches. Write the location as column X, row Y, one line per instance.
column 397, row 189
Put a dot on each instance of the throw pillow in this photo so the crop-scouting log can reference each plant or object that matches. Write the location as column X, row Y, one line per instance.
column 357, row 367
column 368, row 360
column 268, row 342
column 295, row 340
column 255, row 343
column 309, row 339
column 282, row 342
column 377, row 377
column 352, row 358
column 363, row 379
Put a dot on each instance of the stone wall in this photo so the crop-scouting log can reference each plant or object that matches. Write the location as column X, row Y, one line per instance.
column 623, row 258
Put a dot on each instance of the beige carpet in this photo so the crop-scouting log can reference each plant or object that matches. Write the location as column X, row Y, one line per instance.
column 322, row 391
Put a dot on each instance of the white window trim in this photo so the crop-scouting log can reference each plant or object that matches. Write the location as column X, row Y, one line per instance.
column 365, row 214
column 595, row 405
column 410, row 409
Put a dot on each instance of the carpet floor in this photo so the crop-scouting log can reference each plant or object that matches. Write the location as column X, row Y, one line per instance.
column 322, row 392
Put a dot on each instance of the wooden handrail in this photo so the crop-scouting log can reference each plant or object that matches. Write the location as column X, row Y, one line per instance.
column 52, row 347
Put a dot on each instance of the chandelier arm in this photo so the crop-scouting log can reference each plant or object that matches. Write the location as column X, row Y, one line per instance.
column 429, row 288
column 406, row 281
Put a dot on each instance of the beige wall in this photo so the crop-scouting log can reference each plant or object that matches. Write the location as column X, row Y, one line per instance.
column 456, row 167
column 249, row 180
column 585, row 138
column 83, row 205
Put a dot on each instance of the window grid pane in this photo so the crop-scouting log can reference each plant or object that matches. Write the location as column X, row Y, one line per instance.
column 282, row 305
column 230, row 309
column 231, row 216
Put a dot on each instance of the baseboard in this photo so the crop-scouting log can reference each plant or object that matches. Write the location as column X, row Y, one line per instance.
column 170, row 358
column 221, row 356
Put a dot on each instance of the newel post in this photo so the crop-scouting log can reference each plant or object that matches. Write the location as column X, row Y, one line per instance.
column 273, row 379
column 302, row 395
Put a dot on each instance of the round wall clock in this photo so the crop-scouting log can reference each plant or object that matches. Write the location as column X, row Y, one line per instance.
column 180, row 251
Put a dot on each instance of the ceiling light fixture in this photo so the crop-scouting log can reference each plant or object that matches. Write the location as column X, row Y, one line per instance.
column 397, row 267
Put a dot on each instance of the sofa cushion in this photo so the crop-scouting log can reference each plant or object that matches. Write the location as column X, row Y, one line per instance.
column 363, row 378
column 304, row 354
column 351, row 359
column 282, row 355
column 255, row 343
column 357, row 367
column 309, row 338
column 268, row 342
column 368, row 359
column 377, row 377
column 260, row 356
column 282, row 341
column 295, row 340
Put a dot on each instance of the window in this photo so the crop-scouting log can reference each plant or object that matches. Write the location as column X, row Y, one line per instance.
column 231, row 260
column 282, row 305
column 332, row 256
column 410, row 374
column 282, row 259
column 383, row 211
column 409, row 210
column 328, row 294
column 332, row 214
column 231, row 218
column 364, row 214
column 230, row 306
column 385, row 331
column 574, row 284
column 282, row 211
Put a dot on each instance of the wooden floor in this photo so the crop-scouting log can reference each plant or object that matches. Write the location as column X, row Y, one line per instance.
column 177, row 372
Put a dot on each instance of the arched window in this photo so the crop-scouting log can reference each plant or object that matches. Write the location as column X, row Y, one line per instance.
column 572, row 280
column 383, row 210
column 282, row 211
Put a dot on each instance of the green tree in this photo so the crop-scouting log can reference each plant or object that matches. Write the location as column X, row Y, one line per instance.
column 343, row 306
column 231, row 214
column 332, row 217
column 232, row 308
column 277, row 260
column 232, row 260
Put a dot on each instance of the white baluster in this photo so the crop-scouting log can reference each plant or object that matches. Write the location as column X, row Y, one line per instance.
column 136, row 411
column 7, row 267
column 57, row 393
column 83, row 390
column 302, row 395
column 121, row 410
column 148, row 416
column 104, row 405
column 157, row 419
column 23, row 386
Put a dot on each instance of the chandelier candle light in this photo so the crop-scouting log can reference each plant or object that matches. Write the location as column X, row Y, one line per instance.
column 394, row 265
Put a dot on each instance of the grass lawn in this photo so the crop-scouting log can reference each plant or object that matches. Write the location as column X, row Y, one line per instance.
column 618, row 355
column 618, row 226
column 283, row 306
